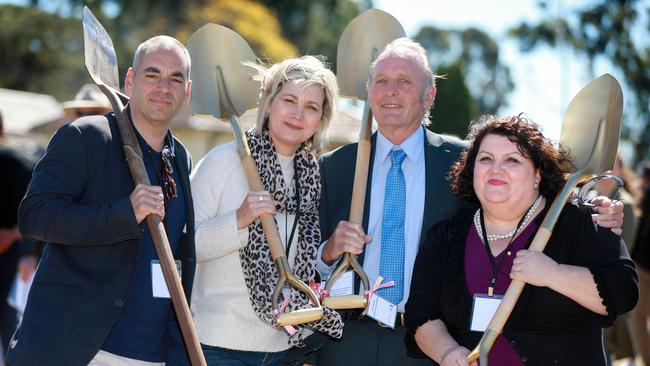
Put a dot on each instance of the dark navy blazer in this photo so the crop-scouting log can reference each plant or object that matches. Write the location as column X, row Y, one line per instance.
column 78, row 202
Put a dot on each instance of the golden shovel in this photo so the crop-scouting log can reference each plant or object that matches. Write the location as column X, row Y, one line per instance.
column 361, row 42
column 101, row 62
column 223, row 88
column 591, row 130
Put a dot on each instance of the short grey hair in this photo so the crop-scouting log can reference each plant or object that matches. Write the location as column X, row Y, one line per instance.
column 161, row 41
column 406, row 48
column 308, row 71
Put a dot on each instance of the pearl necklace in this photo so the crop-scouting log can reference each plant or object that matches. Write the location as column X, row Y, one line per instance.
column 510, row 234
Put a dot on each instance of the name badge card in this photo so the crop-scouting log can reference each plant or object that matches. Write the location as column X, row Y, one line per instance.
column 483, row 310
column 158, row 284
column 344, row 285
column 382, row 311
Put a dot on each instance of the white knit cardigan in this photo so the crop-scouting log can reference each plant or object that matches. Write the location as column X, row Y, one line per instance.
column 222, row 312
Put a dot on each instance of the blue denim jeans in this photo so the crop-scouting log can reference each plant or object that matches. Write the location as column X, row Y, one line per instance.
column 217, row 356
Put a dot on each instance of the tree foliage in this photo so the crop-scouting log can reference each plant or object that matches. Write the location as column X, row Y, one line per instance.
column 314, row 26
column 461, row 55
column 41, row 52
column 477, row 56
column 454, row 107
column 604, row 30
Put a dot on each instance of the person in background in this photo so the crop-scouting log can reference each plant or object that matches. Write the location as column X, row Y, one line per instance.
column 15, row 250
column 640, row 316
column 617, row 337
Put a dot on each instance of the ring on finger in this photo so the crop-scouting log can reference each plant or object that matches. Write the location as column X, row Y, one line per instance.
column 260, row 198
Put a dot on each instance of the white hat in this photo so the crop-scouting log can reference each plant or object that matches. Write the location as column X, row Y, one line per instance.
column 89, row 96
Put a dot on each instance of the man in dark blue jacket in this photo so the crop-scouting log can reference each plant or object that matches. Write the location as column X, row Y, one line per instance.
column 96, row 297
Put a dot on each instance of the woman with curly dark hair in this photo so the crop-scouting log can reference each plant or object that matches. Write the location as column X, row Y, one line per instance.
column 578, row 285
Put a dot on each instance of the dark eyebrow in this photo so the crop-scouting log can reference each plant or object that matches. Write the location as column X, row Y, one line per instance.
column 178, row 74
column 152, row 69
column 155, row 70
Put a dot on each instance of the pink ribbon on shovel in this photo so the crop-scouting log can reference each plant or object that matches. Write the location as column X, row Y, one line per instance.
column 318, row 290
column 289, row 328
column 377, row 286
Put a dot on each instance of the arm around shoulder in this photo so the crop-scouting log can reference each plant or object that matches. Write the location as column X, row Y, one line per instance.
column 604, row 254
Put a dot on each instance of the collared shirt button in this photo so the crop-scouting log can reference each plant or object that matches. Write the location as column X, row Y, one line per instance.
column 513, row 342
column 524, row 359
column 119, row 303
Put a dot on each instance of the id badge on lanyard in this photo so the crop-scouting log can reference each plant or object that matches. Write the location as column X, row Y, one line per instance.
column 483, row 309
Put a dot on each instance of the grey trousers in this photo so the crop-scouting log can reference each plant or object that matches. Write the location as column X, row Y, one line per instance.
column 364, row 342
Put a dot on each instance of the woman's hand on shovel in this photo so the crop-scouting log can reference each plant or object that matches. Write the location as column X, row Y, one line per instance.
column 255, row 204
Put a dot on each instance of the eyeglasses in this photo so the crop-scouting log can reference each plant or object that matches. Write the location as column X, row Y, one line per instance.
column 169, row 185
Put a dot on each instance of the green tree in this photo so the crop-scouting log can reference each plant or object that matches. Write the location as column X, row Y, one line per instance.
column 604, row 30
column 454, row 106
column 252, row 20
column 315, row 26
column 477, row 56
column 47, row 48
column 41, row 52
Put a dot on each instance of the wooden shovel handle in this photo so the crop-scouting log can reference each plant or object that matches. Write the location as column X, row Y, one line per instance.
column 255, row 184
column 361, row 167
column 357, row 204
column 270, row 229
column 156, row 227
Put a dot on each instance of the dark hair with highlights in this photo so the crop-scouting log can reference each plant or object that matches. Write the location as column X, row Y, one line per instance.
column 553, row 164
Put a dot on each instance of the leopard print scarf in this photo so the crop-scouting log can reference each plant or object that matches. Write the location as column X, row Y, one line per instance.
column 257, row 264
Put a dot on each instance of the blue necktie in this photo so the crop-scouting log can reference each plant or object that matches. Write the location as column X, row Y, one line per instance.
column 391, row 264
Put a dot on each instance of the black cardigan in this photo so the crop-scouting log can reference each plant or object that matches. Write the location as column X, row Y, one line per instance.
column 545, row 328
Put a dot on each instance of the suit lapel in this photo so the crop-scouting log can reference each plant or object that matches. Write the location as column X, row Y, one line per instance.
column 366, row 204
column 433, row 185
column 182, row 163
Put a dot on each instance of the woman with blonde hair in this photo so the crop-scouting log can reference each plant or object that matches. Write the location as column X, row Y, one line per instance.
column 236, row 275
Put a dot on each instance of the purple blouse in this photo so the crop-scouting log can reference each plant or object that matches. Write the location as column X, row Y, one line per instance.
column 478, row 273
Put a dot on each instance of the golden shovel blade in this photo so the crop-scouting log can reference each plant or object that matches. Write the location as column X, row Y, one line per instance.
column 361, row 42
column 99, row 53
column 597, row 105
column 221, row 85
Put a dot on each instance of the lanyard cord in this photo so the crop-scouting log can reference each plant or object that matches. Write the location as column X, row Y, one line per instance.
column 495, row 266
column 295, row 221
